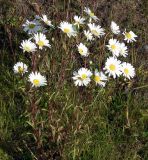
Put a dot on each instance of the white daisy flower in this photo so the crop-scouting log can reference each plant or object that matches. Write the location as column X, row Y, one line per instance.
column 113, row 67
column 123, row 49
column 20, row 67
column 37, row 79
column 68, row 29
column 96, row 30
column 129, row 36
column 28, row 46
column 79, row 20
column 114, row 47
column 114, row 28
column 82, row 77
column 83, row 50
column 100, row 78
column 88, row 35
column 46, row 21
column 32, row 26
column 128, row 70
column 41, row 40
column 91, row 14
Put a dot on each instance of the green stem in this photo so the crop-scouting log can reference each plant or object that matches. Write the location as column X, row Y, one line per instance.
column 141, row 87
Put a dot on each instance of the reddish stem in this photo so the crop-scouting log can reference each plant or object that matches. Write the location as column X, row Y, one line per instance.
column 33, row 62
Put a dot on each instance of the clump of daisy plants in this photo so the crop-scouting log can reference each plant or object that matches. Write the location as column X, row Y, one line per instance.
column 99, row 58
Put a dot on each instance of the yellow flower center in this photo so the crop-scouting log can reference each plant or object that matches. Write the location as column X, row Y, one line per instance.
column 80, row 50
column 20, row 69
column 113, row 47
column 95, row 32
column 66, row 30
column 41, row 43
column 31, row 26
column 27, row 48
column 36, row 82
column 84, row 76
column 112, row 67
column 128, row 35
column 92, row 14
column 97, row 78
column 126, row 71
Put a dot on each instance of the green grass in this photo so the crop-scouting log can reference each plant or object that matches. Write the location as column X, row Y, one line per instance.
column 72, row 123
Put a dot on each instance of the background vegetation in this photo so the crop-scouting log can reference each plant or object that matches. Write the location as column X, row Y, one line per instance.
column 72, row 123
